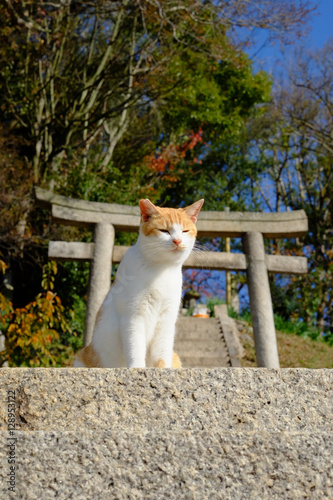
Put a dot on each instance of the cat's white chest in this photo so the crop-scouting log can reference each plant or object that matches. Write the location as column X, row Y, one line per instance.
column 163, row 289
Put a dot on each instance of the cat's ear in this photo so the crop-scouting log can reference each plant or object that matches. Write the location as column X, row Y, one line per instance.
column 147, row 209
column 193, row 210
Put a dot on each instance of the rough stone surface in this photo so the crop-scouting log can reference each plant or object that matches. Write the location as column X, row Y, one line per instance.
column 173, row 434
column 186, row 399
column 173, row 465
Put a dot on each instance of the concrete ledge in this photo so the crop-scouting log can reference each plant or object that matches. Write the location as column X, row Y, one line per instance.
column 169, row 434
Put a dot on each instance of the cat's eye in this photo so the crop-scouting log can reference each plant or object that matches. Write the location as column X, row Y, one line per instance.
column 185, row 230
column 164, row 231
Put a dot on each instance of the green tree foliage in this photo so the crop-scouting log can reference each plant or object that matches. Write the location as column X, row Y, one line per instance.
column 76, row 74
column 214, row 104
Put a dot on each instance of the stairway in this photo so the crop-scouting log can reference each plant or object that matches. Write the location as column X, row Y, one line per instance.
column 200, row 343
column 156, row 434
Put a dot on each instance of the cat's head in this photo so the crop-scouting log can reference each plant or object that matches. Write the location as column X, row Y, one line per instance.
column 168, row 233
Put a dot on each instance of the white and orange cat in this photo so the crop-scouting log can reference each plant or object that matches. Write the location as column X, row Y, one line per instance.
column 135, row 326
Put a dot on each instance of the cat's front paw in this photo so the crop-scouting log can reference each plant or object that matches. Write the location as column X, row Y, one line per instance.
column 176, row 363
column 160, row 363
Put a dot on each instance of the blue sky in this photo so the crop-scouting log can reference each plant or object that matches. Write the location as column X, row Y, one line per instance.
column 273, row 57
column 321, row 24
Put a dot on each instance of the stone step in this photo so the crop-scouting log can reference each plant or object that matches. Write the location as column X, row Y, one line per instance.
column 189, row 334
column 209, row 355
column 215, row 347
column 197, row 324
column 119, row 464
column 200, row 344
column 194, row 360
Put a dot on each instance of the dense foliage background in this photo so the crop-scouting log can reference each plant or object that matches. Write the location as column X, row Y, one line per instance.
column 114, row 101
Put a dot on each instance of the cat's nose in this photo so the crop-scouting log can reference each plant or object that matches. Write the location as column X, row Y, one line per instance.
column 177, row 242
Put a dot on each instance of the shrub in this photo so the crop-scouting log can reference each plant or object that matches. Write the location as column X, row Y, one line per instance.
column 38, row 334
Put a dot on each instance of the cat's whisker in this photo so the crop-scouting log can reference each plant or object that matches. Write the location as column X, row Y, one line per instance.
column 198, row 252
column 199, row 256
column 200, row 246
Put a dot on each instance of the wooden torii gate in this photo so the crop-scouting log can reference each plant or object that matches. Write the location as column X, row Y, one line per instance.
column 106, row 218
